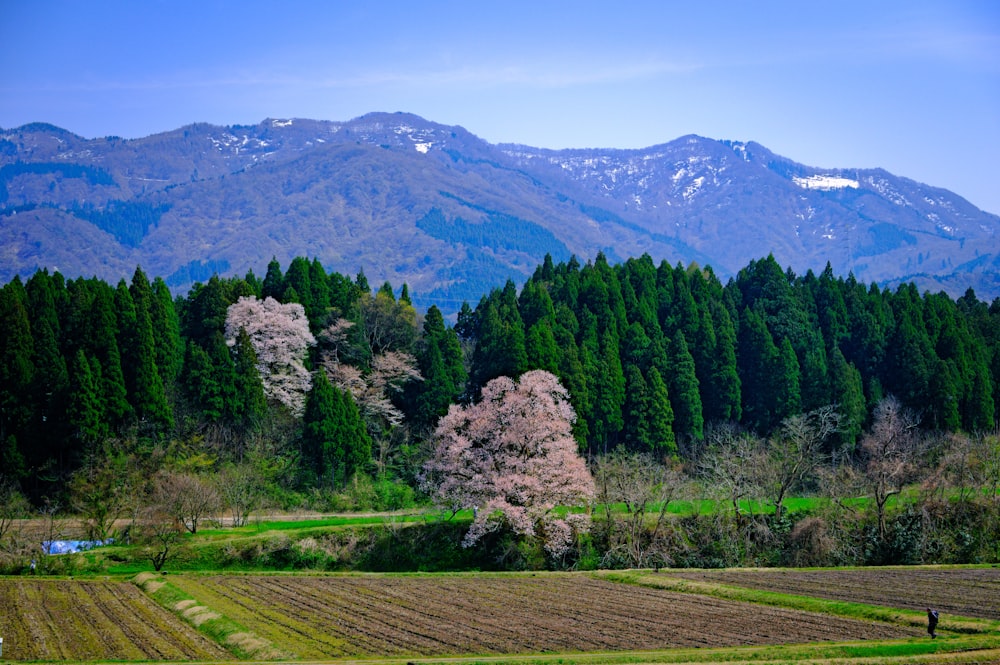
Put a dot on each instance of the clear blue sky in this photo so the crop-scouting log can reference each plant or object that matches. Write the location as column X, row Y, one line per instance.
column 912, row 86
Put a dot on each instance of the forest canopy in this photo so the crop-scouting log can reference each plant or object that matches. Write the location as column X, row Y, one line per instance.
column 651, row 356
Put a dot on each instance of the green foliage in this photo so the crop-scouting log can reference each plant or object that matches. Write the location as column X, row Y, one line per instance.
column 334, row 439
column 8, row 172
column 128, row 221
column 498, row 232
column 651, row 355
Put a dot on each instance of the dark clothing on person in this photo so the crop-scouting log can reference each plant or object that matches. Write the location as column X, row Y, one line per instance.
column 932, row 622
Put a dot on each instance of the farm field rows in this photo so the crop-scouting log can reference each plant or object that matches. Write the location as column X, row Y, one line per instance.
column 57, row 620
column 971, row 592
column 348, row 616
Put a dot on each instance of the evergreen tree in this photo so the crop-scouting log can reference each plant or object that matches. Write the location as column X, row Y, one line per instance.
column 274, row 281
column 103, row 343
column 201, row 384
column 84, row 413
column 205, row 314
column 910, row 360
column 248, row 387
column 440, row 363
column 660, row 417
column 361, row 284
column 831, row 309
column 814, row 384
column 640, row 274
column 16, row 374
column 500, row 349
column 722, row 400
column 635, row 432
column 768, row 290
column 571, row 372
column 334, row 438
column 944, row 392
column 51, row 377
column 166, row 335
column 298, row 278
column 847, row 393
column 541, row 349
column 684, row 393
column 608, row 394
column 320, row 429
column 758, row 357
column 635, row 348
column 148, row 397
column 786, row 384
column 535, row 304
column 320, row 298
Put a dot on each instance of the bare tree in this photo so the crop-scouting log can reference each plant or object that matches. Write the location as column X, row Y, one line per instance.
column 13, row 507
column 100, row 492
column 986, row 461
column 241, row 490
column 731, row 465
column 889, row 454
column 52, row 516
column 646, row 488
column 159, row 534
column 186, row 497
column 794, row 452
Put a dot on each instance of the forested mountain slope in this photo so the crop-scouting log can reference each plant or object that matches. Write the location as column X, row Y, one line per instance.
column 451, row 215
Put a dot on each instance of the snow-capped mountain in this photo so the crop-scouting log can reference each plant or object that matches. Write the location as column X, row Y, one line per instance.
column 408, row 200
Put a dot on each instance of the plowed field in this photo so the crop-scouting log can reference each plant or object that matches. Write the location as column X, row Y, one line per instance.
column 323, row 617
column 971, row 592
column 77, row 620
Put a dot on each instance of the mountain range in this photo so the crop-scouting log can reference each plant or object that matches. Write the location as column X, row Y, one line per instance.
column 452, row 216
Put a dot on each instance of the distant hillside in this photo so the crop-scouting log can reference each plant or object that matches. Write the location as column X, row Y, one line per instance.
column 408, row 200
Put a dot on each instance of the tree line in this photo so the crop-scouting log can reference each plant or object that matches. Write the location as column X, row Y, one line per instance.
column 316, row 385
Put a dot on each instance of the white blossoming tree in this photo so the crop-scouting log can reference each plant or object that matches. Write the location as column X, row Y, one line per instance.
column 280, row 336
column 512, row 456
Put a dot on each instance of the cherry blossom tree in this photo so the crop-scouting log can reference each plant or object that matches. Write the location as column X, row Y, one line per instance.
column 513, row 458
column 373, row 387
column 280, row 336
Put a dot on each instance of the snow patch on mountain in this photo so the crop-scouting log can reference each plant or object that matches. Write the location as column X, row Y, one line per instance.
column 825, row 182
column 885, row 188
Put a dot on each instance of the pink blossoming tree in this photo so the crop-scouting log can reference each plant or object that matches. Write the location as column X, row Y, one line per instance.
column 512, row 456
column 280, row 336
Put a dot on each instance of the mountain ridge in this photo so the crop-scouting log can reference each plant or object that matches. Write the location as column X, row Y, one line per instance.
column 409, row 200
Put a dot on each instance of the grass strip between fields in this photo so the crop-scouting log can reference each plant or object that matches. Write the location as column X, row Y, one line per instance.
column 964, row 649
column 895, row 615
column 229, row 634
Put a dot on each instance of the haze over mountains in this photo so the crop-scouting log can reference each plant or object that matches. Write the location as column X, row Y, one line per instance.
column 408, row 200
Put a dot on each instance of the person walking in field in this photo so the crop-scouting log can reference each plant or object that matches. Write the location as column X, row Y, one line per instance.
column 932, row 622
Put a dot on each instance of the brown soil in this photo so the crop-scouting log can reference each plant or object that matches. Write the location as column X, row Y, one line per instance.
column 971, row 592
column 90, row 620
column 321, row 617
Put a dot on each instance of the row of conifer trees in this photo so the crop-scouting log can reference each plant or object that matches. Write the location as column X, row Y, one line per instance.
column 650, row 354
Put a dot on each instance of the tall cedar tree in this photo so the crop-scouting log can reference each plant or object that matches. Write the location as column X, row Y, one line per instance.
column 440, row 363
column 334, row 439
column 16, row 374
column 149, row 397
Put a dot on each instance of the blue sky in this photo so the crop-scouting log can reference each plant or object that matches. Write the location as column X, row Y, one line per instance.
column 910, row 86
